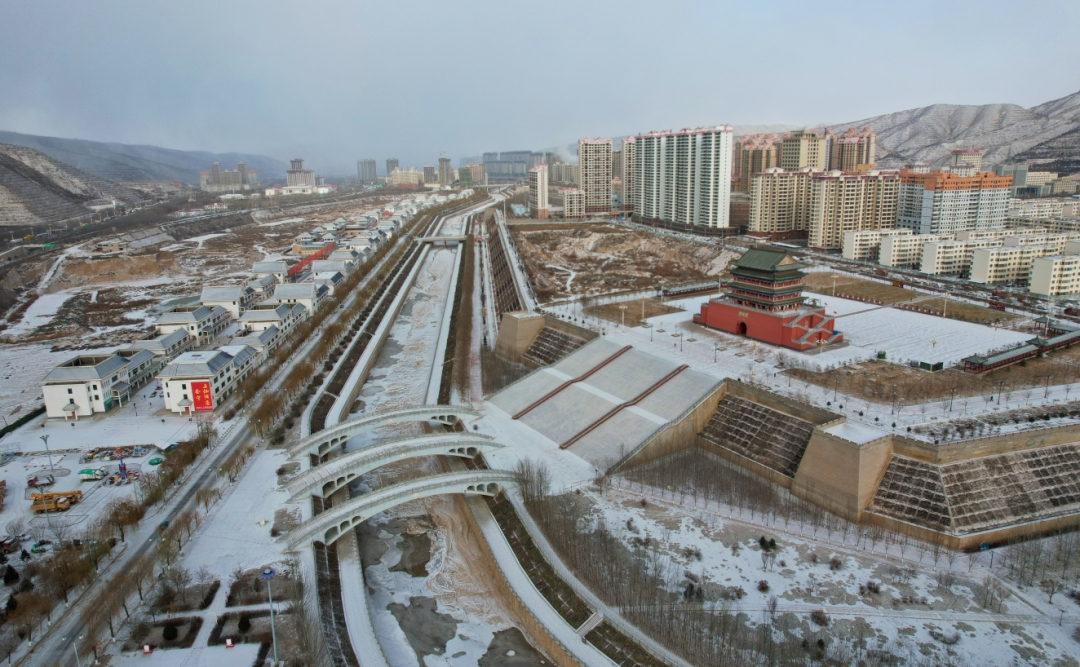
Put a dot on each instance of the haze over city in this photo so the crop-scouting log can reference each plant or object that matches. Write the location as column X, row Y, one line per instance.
column 341, row 78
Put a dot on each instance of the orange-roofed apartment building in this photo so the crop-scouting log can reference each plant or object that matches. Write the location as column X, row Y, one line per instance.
column 852, row 150
column 947, row 202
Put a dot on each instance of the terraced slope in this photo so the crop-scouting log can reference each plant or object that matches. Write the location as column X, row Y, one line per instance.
column 35, row 189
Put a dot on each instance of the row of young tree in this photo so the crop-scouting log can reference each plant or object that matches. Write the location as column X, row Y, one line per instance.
column 700, row 625
column 691, row 623
column 304, row 377
column 694, row 477
column 691, row 477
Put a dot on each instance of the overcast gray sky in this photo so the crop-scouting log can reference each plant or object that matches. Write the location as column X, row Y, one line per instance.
column 336, row 80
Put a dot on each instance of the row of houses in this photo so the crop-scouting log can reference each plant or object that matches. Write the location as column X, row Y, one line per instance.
column 266, row 308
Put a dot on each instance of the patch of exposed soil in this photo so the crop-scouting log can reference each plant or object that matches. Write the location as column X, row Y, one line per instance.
column 75, row 271
column 509, row 648
column 606, row 258
column 415, row 554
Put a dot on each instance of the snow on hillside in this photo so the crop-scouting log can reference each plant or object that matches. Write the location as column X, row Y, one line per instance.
column 929, row 134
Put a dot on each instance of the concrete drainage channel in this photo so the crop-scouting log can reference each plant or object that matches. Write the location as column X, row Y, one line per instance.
column 380, row 303
column 328, row 580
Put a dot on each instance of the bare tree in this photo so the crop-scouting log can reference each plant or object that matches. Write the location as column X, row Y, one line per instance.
column 1051, row 586
column 15, row 528
column 179, row 579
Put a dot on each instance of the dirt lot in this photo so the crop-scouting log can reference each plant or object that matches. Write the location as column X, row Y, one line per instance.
column 565, row 259
column 613, row 312
column 887, row 294
column 883, row 382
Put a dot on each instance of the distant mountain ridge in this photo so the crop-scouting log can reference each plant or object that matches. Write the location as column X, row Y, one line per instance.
column 127, row 162
column 1006, row 132
column 36, row 189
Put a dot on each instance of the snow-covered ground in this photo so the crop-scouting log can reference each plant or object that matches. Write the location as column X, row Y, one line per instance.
column 153, row 425
column 239, row 535
column 904, row 335
column 908, row 606
column 676, row 338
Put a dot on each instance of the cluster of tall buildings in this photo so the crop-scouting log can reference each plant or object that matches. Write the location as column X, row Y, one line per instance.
column 852, row 150
column 681, row 177
column 509, row 166
column 443, row 175
column 824, row 185
column 229, row 180
column 300, row 181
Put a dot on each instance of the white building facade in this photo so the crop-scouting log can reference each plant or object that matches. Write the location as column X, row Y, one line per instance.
column 683, row 177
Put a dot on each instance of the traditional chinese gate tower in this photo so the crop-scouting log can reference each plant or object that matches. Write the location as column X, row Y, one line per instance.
column 764, row 301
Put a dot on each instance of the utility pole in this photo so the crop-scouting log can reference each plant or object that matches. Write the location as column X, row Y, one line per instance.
column 47, row 453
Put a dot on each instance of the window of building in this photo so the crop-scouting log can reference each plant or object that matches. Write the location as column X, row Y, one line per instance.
column 69, row 390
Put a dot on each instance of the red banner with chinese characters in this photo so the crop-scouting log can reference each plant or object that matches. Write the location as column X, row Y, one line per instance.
column 201, row 396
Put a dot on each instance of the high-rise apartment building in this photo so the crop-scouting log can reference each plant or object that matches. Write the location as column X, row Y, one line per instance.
column 852, row 150
column 229, row 180
column 405, row 178
column 616, row 164
column 753, row 155
column 564, row 174
column 683, row 177
column 297, row 176
column 942, row 202
column 780, row 201
column 594, row 165
column 805, row 148
column 365, row 171
column 538, row 191
column 478, row 173
column 391, row 165
column 573, row 202
column 1055, row 276
column 842, row 203
column 972, row 156
column 446, row 173
column 627, row 155
column 429, row 174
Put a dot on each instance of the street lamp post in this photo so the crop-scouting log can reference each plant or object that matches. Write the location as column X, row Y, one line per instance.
column 45, row 438
column 266, row 575
column 74, row 647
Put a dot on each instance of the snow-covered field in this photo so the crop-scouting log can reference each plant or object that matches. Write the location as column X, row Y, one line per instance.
column 904, row 335
column 909, row 605
column 153, row 425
